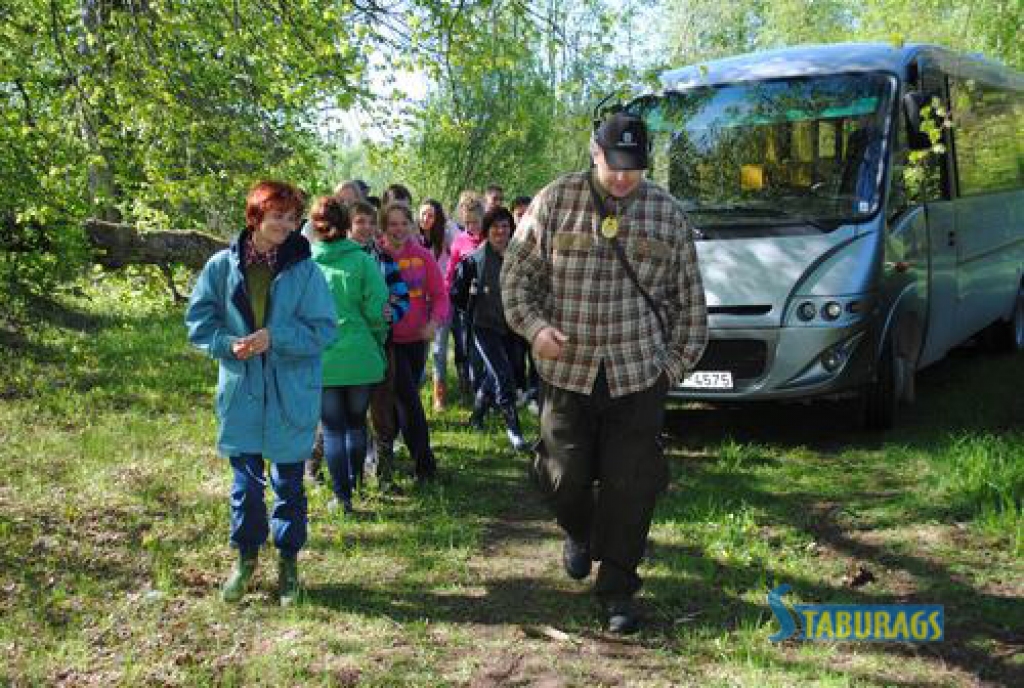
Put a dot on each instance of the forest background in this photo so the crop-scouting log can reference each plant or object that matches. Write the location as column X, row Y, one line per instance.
column 160, row 114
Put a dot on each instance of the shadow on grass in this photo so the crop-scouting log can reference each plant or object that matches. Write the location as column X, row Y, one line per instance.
column 58, row 313
column 699, row 584
column 16, row 343
column 513, row 600
column 104, row 547
column 125, row 361
column 974, row 618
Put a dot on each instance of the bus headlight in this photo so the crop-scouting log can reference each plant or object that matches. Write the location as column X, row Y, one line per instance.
column 828, row 311
column 832, row 310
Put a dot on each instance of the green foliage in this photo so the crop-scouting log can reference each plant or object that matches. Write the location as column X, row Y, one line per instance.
column 159, row 114
column 983, row 476
column 162, row 114
column 513, row 90
column 921, row 175
column 697, row 30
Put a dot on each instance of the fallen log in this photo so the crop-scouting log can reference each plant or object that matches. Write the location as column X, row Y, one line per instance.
column 116, row 245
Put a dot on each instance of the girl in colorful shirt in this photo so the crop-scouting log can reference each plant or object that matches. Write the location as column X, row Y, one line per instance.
column 428, row 309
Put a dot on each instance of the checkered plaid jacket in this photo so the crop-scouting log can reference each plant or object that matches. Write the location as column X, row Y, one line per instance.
column 560, row 271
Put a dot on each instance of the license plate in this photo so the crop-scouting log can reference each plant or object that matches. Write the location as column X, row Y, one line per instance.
column 708, row 379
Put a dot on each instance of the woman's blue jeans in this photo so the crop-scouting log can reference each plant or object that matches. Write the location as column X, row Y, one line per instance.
column 249, row 527
column 343, row 413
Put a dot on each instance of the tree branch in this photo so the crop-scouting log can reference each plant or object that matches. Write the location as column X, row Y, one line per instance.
column 117, row 245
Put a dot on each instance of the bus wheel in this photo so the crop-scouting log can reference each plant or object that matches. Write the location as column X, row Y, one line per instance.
column 1007, row 336
column 1018, row 322
column 1015, row 328
column 882, row 397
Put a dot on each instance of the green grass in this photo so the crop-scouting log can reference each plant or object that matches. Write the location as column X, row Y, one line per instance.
column 982, row 477
column 113, row 529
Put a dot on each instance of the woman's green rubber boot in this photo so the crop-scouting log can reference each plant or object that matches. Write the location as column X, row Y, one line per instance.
column 237, row 583
column 288, row 580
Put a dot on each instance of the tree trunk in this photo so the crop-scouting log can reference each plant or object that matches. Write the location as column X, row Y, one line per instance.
column 117, row 245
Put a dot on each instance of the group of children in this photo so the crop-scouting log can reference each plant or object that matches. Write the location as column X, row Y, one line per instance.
column 335, row 325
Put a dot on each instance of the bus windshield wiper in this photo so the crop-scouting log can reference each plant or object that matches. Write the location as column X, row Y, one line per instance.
column 788, row 217
column 726, row 208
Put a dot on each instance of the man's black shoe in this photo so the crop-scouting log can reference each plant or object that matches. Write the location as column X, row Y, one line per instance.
column 576, row 558
column 622, row 617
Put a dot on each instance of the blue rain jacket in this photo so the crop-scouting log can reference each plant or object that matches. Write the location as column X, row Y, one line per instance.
column 268, row 404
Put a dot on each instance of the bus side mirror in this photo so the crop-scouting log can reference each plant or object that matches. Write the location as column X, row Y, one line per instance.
column 912, row 104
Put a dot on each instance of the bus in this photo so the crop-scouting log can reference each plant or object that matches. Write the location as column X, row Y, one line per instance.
column 858, row 211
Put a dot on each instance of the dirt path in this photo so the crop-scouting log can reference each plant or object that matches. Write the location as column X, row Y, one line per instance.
column 532, row 626
column 535, row 626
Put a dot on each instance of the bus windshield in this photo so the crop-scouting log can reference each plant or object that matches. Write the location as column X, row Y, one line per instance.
column 802, row 151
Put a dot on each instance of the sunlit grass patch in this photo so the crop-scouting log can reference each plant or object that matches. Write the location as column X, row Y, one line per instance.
column 113, row 542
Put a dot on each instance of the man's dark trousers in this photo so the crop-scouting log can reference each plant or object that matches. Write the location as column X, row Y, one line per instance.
column 615, row 444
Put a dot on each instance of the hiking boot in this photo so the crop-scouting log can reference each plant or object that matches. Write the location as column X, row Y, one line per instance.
column 440, row 392
column 288, row 580
column 622, row 616
column 515, row 434
column 518, row 442
column 576, row 558
column 237, row 583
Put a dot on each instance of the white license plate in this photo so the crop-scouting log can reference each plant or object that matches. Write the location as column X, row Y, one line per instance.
column 708, row 379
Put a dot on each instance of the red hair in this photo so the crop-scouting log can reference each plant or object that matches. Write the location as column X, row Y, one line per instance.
column 275, row 195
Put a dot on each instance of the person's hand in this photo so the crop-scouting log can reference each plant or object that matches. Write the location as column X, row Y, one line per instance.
column 253, row 345
column 549, row 342
column 240, row 348
column 428, row 331
column 259, row 341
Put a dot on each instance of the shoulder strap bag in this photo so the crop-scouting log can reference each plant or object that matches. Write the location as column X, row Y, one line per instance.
column 620, row 253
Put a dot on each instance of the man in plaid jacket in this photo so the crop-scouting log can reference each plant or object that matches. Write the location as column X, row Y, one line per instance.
column 607, row 344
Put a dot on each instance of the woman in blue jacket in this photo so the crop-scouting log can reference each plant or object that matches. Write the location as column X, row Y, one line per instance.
column 262, row 309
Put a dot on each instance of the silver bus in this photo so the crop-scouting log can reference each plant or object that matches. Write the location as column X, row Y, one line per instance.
column 859, row 210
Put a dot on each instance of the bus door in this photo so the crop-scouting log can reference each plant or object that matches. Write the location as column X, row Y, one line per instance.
column 936, row 192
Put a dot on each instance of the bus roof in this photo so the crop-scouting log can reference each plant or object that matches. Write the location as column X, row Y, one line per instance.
column 809, row 60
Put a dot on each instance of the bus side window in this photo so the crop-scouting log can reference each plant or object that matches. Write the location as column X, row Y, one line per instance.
column 986, row 130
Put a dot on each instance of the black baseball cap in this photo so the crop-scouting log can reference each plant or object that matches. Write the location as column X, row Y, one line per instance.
column 623, row 138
